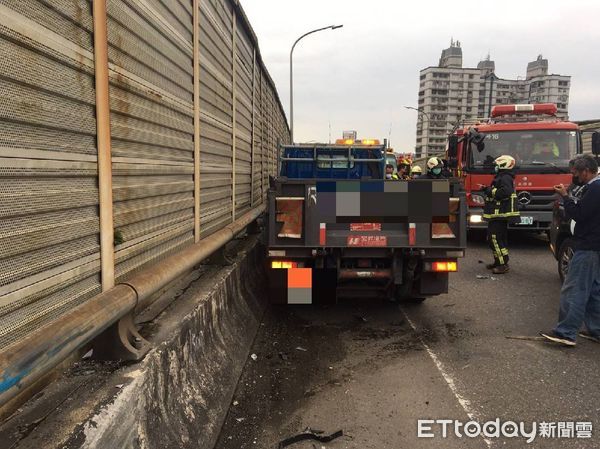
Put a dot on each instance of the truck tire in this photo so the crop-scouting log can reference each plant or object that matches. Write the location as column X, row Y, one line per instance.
column 565, row 254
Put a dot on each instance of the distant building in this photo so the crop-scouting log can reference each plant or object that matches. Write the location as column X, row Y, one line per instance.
column 450, row 93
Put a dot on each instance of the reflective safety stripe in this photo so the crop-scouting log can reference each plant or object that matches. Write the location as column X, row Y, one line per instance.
column 497, row 250
column 512, row 211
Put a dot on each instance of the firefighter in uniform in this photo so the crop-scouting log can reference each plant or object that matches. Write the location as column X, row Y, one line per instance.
column 416, row 172
column 435, row 167
column 404, row 169
column 500, row 208
column 389, row 172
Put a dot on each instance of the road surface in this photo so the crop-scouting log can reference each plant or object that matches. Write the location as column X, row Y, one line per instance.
column 373, row 369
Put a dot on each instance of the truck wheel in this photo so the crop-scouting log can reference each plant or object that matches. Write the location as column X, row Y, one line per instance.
column 565, row 254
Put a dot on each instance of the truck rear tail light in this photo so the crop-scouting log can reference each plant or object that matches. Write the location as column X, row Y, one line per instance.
column 441, row 266
column 284, row 264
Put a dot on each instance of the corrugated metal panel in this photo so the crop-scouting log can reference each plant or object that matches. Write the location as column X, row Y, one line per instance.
column 151, row 99
column 49, row 247
column 244, row 67
column 216, row 119
column 49, row 224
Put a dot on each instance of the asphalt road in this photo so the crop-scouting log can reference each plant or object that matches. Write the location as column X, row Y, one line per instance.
column 373, row 369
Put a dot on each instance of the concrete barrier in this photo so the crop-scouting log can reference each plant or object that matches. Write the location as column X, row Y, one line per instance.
column 179, row 394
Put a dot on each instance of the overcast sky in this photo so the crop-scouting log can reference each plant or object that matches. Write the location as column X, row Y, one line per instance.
column 362, row 75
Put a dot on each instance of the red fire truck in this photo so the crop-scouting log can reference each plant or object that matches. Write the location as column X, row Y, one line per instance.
column 542, row 146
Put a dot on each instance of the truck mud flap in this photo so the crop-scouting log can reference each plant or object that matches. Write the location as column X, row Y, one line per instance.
column 302, row 285
column 432, row 284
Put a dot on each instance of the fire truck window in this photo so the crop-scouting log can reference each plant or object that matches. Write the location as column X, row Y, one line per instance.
column 529, row 148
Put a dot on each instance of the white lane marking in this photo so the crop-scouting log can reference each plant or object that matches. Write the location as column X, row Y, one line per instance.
column 464, row 403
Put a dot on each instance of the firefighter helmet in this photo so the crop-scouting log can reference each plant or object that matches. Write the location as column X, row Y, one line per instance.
column 505, row 162
column 404, row 161
column 416, row 169
column 434, row 162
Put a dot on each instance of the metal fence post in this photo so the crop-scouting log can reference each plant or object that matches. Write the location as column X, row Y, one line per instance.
column 234, row 112
column 196, row 59
column 253, row 134
column 107, row 250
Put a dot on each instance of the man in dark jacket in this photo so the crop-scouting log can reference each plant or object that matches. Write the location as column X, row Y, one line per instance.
column 500, row 208
column 580, row 294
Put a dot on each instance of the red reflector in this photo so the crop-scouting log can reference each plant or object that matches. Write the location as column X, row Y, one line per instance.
column 322, row 234
column 412, row 234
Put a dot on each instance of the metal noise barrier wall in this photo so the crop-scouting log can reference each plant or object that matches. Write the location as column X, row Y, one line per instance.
column 49, row 204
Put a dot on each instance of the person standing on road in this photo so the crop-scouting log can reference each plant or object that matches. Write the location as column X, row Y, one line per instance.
column 500, row 208
column 389, row 172
column 434, row 168
column 404, row 169
column 416, row 172
column 580, row 293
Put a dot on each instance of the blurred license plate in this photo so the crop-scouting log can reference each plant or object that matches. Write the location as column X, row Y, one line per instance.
column 367, row 240
column 526, row 221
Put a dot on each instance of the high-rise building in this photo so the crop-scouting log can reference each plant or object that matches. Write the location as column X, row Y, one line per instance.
column 450, row 94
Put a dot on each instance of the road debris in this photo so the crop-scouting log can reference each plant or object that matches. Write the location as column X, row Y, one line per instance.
column 310, row 434
column 485, row 276
column 254, row 357
column 300, row 348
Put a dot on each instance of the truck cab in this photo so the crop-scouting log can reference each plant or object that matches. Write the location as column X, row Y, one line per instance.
column 338, row 228
column 542, row 146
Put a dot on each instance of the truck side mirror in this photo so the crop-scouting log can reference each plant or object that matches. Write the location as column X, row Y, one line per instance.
column 596, row 143
column 452, row 147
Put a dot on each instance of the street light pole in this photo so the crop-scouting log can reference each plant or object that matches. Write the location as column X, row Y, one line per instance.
column 420, row 112
column 330, row 27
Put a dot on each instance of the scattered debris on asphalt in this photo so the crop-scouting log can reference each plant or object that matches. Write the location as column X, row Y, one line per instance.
column 300, row 348
column 283, row 356
column 485, row 276
column 450, row 305
column 254, row 357
column 310, row 434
